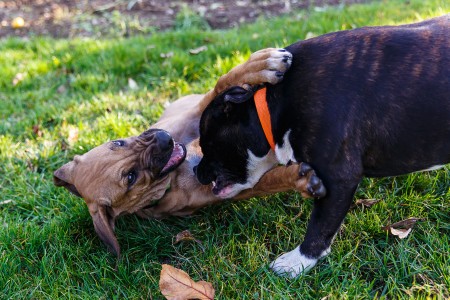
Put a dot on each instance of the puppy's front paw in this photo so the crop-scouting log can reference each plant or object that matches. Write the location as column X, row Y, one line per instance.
column 277, row 63
column 292, row 264
column 309, row 183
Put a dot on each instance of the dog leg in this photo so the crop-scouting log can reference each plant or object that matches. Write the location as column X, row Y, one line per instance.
column 301, row 178
column 326, row 218
column 264, row 66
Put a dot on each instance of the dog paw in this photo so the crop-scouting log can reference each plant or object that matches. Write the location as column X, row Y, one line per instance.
column 314, row 185
column 277, row 64
column 293, row 264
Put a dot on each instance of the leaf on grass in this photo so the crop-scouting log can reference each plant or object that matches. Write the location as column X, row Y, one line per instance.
column 18, row 78
column 37, row 130
column 176, row 284
column 185, row 235
column 132, row 84
column 403, row 228
column 401, row 233
column 198, row 50
column 72, row 136
column 166, row 55
column 5, row 202
column 61, row 89
column 366, row 202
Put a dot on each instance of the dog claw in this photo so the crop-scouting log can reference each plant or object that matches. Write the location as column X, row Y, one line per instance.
column 304, row 168
column 314, row 185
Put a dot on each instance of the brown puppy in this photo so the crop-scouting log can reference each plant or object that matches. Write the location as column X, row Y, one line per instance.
column 152, row 176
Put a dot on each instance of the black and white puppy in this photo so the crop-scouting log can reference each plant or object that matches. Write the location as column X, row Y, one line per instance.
column 373, row 101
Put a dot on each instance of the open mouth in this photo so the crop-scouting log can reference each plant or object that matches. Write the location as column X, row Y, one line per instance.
column 176, row 158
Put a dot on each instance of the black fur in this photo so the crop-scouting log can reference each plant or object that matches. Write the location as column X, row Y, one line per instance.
column 373, row 101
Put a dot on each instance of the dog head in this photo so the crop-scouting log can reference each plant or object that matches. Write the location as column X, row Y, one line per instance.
column 235, row 151
column 121, row 177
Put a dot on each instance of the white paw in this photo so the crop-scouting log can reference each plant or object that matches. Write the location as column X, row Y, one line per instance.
column 294, row 263
column 277, row 64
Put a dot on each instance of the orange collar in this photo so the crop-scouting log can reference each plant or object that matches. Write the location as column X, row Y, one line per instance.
column 264, row 115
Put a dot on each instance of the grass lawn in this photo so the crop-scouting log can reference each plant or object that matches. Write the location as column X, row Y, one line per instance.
column 59, row 98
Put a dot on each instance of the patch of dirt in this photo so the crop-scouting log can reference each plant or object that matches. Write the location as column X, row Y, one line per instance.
column 95, row 18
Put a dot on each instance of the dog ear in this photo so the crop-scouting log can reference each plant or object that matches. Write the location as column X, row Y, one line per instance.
column 64, row 177
column 237, row 94
column 104, row 226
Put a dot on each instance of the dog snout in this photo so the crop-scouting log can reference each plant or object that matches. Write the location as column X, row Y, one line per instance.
column 203, row 175
column 164, row 141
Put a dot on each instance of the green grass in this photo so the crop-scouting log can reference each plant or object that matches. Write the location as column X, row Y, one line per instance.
column 48, row 247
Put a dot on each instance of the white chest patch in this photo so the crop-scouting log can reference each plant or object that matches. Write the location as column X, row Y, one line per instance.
column 256, row 167
column 285, row 153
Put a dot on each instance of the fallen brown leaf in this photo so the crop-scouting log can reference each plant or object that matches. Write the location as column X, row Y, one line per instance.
column 132, row 84
column 166, row 55
column 198, row 50
column 186, row 235
column 61, row 89
column 72, row 135
column 401, row 233
column 366, row 202
column 18, row 78
column 37, row 130
column 175, row 284
column 403, row 228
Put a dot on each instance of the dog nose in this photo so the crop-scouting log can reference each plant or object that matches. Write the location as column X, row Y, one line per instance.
column 164, row 140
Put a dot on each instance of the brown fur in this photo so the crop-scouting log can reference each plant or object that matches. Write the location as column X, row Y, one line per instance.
column 97, row 175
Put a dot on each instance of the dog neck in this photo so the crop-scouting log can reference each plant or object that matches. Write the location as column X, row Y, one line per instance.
column 264, row 115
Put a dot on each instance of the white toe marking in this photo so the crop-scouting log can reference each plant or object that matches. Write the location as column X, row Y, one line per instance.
column 294, row 263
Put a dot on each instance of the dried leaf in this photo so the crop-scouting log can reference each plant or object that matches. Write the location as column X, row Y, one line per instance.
column 185, row 235
column 405, row 224
column 175, row 284
column 61, row 89
column 132, row 84
column 73, row 134
column 5, row 202
column 401, row 233
column 366, row 202
column 18, row 78
column 198, row 50
column 37, row 130
column 403, row 228
column 166, row 55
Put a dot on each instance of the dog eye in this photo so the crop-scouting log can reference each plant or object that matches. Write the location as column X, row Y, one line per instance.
column 131, row 178
column 119, row 143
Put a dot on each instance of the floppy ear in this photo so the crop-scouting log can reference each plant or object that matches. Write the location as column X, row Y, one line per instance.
column 104, row 224
column 64, row 177
column 237, row 94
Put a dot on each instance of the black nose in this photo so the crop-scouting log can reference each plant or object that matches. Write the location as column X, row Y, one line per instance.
column 164, row 140
column 203, row 174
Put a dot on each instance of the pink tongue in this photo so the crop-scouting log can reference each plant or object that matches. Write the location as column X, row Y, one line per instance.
column 177, row 155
